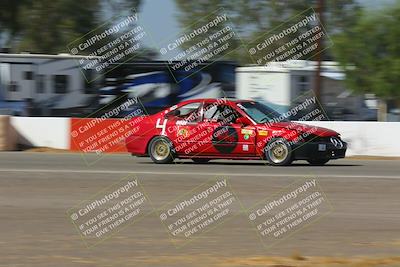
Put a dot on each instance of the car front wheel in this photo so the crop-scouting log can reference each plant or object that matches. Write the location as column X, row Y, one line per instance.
column 278, row 152
column 161, row 150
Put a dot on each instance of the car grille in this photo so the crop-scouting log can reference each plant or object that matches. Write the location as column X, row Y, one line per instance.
column 316, row 139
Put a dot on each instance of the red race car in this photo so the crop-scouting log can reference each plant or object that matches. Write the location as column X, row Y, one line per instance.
column 205, row 129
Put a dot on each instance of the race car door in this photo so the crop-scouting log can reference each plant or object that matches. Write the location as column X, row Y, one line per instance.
column 181, row 127
column 226, row 136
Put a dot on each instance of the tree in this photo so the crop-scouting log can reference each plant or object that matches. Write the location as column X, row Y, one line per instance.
column 9, row 20
column 254, row 18
column 370, row 54
column 48, row 26
column 195, row 14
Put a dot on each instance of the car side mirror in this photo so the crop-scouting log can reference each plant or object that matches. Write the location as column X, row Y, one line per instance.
column 243, row 121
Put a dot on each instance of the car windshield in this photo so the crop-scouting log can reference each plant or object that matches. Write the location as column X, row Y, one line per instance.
column 260, row 113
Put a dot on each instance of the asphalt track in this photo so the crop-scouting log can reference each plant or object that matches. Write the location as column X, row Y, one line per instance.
column 37, row 189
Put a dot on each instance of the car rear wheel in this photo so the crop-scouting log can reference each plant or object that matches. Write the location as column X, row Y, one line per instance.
column 317, row 162
column 278, row 152
column 200, row 160
column 161, row 150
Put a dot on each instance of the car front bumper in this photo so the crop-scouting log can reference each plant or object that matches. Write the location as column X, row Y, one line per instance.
column 319, row 150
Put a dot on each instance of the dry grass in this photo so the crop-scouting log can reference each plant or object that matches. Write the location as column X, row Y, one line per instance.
column 300, row 261
column 48, row 150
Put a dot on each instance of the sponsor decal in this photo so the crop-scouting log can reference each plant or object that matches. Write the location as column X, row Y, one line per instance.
column 246, row 137
column 247, row 131
column 263, row 133
column 184, row 132
column 245, row 147
column 277, row 132
column 182, row 122
column 225, row 139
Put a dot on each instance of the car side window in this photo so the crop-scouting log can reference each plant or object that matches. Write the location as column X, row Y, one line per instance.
column 210, row 112
column 189, row 112
column 222, row 114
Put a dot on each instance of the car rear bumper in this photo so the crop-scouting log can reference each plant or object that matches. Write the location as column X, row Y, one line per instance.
column 319, row 150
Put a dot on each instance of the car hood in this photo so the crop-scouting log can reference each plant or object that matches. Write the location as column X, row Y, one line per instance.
column 300, row 127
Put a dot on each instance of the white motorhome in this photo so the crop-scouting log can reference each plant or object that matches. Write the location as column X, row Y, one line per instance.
column 281, row 84
column 54, row 83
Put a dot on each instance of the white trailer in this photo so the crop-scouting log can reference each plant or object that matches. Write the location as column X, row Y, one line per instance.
column 281, row 85
column 53, row 82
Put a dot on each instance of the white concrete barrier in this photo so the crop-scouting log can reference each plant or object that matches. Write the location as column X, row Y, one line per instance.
column 43, row 131
column 366, row 138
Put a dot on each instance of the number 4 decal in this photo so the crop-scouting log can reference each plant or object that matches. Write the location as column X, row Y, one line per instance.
column 161, row 126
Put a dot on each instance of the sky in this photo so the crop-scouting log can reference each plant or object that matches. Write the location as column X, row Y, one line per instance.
column 160, row 16
column 159, row 19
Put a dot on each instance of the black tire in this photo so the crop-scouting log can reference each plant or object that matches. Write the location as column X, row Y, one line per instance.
column 200, row 160
column 278, row 152
column 317, row 162
column 161, row 150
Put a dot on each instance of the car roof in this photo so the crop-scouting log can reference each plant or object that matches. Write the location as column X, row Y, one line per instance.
column 212, row 100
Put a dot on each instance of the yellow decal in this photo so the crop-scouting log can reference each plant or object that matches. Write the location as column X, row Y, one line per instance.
column 263, row 133
column 183, row 132
column 247, row 131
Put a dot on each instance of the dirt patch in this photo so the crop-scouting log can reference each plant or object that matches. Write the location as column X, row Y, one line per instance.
column 312, row 262
column 48, row 149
